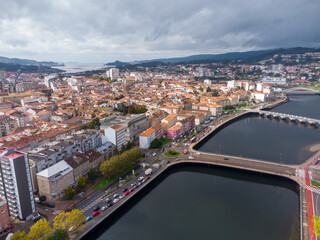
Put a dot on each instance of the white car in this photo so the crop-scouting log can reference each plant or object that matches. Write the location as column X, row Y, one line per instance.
column 104, row 208
column 115, row 195
column 121, row 196
column 116, row 200
column 153, row 154
column 190, row 157
column 140, row 179
column 198, row 153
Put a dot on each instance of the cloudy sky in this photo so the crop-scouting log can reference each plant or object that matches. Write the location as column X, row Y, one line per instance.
column 126, row 30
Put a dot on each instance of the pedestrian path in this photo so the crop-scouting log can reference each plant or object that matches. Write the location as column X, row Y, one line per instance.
column 316, row 190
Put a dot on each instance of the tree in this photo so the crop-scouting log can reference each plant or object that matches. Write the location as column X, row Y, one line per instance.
column 18, row 235
column 40, row 230
column 208, row 89
column 82, row 182
column 229, row 108
column 215, row 93
column 201, row 89
column 43, row 198
column 66, row 220
column 70, row 193
column 156, row 143
column 316, row 221
column 59, row 234
column 92, row 174
column 129, row 146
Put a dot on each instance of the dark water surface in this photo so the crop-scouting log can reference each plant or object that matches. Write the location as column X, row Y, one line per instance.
column 270, row 140
column 194, row 202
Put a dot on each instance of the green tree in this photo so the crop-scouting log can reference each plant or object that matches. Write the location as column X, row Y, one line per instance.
column 40, row 230
column 129, row 146
column 18, row 235
column 92, row 174
column 208, row 89
column 43, row 198
column 229, row 108
column 316, row 221
column 82, row 182
column 156, row 143
column 59, row 234
column 201, row 89
column 215, row 93
column 70, row 193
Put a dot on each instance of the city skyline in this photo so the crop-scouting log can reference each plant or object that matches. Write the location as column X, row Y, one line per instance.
column 128, row 31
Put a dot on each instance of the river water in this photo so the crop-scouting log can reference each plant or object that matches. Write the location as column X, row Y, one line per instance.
column 194, row 202
column 202, row 202
column 271, row 140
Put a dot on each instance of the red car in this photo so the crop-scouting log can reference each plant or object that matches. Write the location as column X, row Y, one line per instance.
column 95, row 213
column 126, row 193
column 147, row 177
column 131, row 190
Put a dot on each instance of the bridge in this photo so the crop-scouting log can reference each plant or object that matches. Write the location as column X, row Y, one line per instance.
column 301, row 91
column 287, row 117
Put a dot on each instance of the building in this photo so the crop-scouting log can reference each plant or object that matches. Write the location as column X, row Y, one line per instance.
column 15, row 184
column 170, row 120
column 4, row 217
column 174, row 131
column 274, row 80
column 6, row 125
column 53, row 181
column 113, row 73
column 116, row 135
column 146, row 138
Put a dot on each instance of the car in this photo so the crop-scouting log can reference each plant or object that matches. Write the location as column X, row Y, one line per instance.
column 190, row 157
column 140, row 179
column 96, row 213
column 88, row 218
column 147, row 177
column 115, row 200
column 177, row 159
column 226, row 158
column 104, row 208
column 125, row 190
column 97, row 208
column 144, row 180
column 50, row 205
column 109, row 204
column 154, row 154
column 121, row 196
column 168, row 162
column 126, row 193
column 133, row 184
column 115, row 195
column 162, row 150
column 198, row 153
column 36, row 218
column 131, row 190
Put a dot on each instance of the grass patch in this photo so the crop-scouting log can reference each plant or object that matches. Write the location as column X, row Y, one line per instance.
column 105, row 182
column 172, row 153
column 314, row 183
column 165, row 140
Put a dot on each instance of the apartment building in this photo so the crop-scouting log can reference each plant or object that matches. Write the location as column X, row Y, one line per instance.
column 6, row 125
column 116, row 135
column 4, row 216
column 53, row 181
column 146, row 138
column 15, row 183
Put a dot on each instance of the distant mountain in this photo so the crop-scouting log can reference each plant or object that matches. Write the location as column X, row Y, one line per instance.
column 247, row 57
column 27, row 62
column 11, row 67
column 117, row 64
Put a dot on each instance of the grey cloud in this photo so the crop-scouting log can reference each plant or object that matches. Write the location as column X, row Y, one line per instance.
column 77, row 30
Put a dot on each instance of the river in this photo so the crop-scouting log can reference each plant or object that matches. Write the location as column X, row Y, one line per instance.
column 271, row 140
column 197, row 202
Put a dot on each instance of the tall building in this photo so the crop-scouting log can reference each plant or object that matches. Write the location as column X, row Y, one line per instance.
column 113, row 73
column 116, row 135
column 15, row 183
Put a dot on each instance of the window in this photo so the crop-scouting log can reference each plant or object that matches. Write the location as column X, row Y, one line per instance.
column 3, row 211
column 3, row 215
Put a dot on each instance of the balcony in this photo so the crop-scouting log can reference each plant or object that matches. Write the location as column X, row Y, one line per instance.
column 7, row 177
column 6, row 166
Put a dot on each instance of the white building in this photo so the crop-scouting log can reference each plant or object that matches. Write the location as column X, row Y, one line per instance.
column 113, row 73
column 116, row 135
column 146, row 138
column 274, row 80
column 15, row 183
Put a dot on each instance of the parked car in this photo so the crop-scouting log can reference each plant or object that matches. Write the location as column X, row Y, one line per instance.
column 104, row 208
column 126, row 193
column 190, row 157
column 154, row 154
column 121, row 196
column 36, row 218
column 226, row 158
column 133, row 184
column 115, row 195
column 162, row 150
column 50, row 205
column 96, row 213
column 131, row 190
column 147, row 177
column 140, row 179
column 88, row 218
column 116, row 200
column 97, row 208
column 124, row 190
